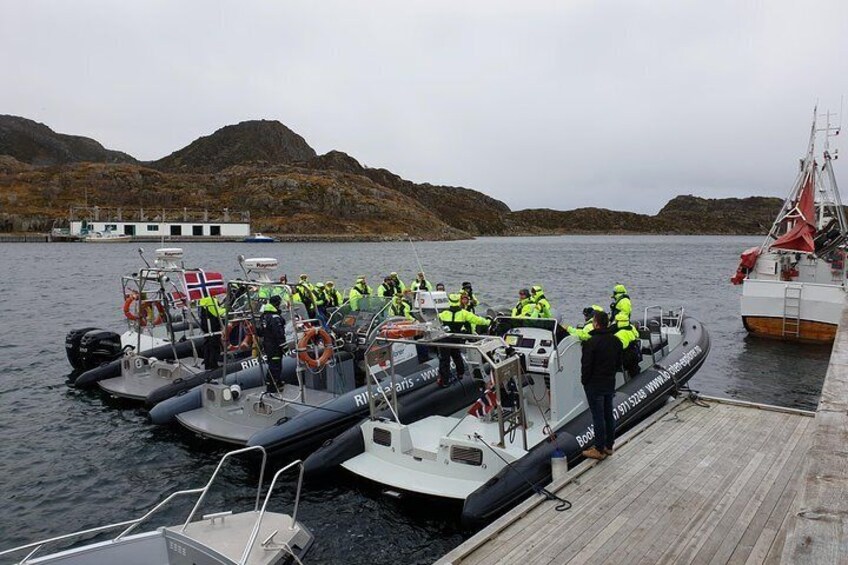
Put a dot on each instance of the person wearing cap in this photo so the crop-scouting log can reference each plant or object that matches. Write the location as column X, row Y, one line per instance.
column 421, row 283
column 272, row 330
column 388, row 289
column 399, row 284
column 524, row 308
column 332, row 297
column 304, row 280
column 582, row 332
column 305, row 295
column 631, row 344
column 400, row 307
column 543, row 307
column 456, row 320
column 211, row 314
column 620, row 302
column 320, row 300
column 472, row 300
column 358, row 290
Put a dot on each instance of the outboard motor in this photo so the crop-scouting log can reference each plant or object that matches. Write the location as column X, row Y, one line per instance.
column 97, row 347
column 72, row 345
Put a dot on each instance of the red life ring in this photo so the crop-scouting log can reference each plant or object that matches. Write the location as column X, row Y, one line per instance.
column 313, row 337
column 144, row 311
column 244, row 328
column 400, row 330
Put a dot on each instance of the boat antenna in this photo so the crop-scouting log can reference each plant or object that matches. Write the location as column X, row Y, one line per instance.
column 141, row 254
column 417, row 258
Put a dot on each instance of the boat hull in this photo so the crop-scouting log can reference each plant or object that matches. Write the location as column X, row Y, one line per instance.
column 418, row 397
column 764, row 305
column 809, row 331
column 90, row 378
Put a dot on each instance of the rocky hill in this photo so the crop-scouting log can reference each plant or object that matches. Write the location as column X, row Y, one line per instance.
column 267, row 169
column 258, row 140
column 36, row 144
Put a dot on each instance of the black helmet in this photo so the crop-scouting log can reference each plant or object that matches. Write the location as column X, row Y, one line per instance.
column 276, row 300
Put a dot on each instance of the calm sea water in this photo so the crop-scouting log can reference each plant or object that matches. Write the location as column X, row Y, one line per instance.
column 71, row 460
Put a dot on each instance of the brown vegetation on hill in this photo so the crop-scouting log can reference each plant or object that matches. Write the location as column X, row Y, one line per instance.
column 267, row 169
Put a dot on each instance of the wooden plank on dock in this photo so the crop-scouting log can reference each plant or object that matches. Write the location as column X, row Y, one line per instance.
column 818, row 531
column 704, row 485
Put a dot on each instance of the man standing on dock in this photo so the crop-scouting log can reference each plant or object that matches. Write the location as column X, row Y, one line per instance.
column 601, row 360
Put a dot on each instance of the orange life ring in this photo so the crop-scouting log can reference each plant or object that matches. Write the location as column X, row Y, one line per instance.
column 244, row 328
column 312, row 337
column 400, row 330
column 144, row 310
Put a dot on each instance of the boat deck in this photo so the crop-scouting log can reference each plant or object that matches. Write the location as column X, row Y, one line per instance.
column 712, row 484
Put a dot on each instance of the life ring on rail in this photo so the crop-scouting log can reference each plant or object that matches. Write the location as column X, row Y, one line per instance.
column 400, row 330
column 313, row 337
column 144, row 311
column 243, row 335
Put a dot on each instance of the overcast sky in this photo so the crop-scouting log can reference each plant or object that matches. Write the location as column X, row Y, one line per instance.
column 563, row 104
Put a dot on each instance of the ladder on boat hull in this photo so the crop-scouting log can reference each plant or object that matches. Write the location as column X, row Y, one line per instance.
column 792, row 312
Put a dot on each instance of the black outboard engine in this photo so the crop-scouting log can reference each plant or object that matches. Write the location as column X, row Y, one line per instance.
column 99, row 346
column 72, row 344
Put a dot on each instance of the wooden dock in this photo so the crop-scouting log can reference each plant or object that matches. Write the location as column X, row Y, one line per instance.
column 819, row 529
column 692, row 484
column 733, row 482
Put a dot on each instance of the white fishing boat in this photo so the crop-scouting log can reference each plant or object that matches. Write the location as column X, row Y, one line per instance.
column 257, row 536
column 794, row 284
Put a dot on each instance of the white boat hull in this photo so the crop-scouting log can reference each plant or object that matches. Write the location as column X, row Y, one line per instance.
column 764, row 309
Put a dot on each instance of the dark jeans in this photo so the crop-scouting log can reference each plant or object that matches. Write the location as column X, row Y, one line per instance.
column 275, row 367
column 211, row 352
column 445, row 356
column 600, row 404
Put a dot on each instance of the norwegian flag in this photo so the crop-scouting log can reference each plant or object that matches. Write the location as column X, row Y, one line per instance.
column 485, row 404
column 200, row 283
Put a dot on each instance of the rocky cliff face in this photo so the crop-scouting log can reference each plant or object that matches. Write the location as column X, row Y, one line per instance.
column 258, row 140
column 36, row 144
column 267, row 169
column 461, row 208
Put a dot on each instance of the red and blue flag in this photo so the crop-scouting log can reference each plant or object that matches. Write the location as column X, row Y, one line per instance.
column 200, row 283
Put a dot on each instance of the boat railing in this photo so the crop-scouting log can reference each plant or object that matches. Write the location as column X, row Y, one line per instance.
column 671, row 318
column 130, row 525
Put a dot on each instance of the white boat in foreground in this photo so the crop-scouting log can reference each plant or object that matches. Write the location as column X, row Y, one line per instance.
column 256, row 536
column 794, row 284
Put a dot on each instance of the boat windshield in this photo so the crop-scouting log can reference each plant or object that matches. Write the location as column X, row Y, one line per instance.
column 369, row 310
column 255, row 295
column 502, row 324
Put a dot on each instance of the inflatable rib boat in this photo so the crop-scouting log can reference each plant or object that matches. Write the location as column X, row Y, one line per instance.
column 492, row 452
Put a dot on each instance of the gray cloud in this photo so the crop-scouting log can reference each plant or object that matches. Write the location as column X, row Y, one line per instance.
column 541, row 104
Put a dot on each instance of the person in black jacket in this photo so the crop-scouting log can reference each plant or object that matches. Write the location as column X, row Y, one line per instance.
column 601, row 361
column 273, row 333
